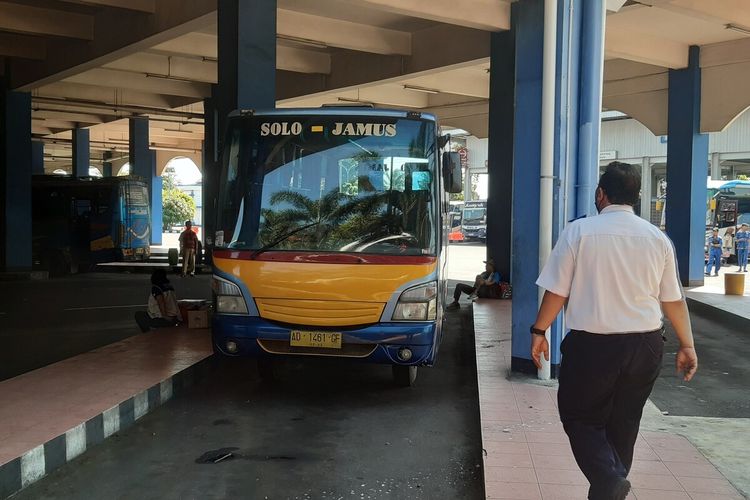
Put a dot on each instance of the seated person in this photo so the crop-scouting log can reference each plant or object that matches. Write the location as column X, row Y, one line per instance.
column 162, row 304
column 481, row 286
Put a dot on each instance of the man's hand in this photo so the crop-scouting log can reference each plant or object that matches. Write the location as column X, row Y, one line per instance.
column 539, row 345
column 686, row 362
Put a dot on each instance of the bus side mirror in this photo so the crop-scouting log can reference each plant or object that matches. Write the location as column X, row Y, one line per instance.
column 452, row 172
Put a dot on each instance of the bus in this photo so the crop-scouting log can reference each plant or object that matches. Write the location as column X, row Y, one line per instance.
column 79, row 222
column 474, row 221
column 730, row 205
column 331, row 237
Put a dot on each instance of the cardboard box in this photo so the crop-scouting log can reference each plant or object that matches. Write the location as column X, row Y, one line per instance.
column 197, row 319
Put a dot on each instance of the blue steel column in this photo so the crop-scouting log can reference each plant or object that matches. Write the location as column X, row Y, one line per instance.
column 37, row 158
column 247, row 80
column 15, row 180
column 579, row 68
column 107, row 164
column 687, row 168
column 500, row 152
column 157, row 205
column 81, row 153
column 142, row 162
column 591, row 66
column 528, row 22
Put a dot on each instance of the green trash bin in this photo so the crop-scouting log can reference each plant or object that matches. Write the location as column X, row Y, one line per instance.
column 173, row 257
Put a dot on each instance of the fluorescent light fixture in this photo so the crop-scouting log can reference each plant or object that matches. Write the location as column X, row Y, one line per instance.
column 738, row 29
column 303, row 41
column 169, row 77
column 358, row 101
column 421, row 89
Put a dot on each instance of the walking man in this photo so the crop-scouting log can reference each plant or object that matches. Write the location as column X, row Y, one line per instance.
column 618, row 275
column 188, row 244
column 742, row 240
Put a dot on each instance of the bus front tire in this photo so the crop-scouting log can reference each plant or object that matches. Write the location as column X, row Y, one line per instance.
column 404, row 376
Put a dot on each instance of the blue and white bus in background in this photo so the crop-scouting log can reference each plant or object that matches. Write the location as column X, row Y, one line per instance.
column 474, row 220
column 79, row 222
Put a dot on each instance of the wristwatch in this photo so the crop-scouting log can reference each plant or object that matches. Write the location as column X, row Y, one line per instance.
column 537, row 331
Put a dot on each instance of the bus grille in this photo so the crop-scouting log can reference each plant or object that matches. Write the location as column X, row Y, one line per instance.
column 346, row 351
column 319, row 312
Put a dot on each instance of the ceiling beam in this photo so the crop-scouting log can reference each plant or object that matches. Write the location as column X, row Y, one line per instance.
column 640, row 47
column 719, row 54
column 117, row 33
column 105, row 96
column 193, row 69
column 19, row 18
column 148, row 6
column 28, row 47
column 141, row 82
column 489, row 15
column 341, row 34
column 183, row 62
column 723, row 12
column 87, row 118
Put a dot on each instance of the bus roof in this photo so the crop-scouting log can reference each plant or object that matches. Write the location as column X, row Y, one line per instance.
column 338, row 111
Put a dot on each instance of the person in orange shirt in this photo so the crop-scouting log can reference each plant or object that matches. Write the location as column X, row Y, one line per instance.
column 188, row 246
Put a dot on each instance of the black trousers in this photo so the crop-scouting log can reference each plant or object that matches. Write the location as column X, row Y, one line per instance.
column 462, row 288
column 605, row 381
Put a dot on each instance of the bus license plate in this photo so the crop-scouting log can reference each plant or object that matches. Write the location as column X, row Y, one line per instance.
column 326, row 340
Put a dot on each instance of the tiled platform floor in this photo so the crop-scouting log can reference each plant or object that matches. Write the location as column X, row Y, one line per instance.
column 527, row 452
column 45, row 403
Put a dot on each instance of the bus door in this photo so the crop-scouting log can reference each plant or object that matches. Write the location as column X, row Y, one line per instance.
column 135, row 220
column 726, row 213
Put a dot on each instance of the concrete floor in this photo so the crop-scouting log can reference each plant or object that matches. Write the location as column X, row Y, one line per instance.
column 42, row 322
column 326, row 430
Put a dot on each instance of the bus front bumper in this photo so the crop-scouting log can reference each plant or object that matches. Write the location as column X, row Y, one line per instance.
column 379, row 343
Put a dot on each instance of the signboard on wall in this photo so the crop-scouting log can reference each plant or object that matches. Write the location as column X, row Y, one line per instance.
column 607, row 155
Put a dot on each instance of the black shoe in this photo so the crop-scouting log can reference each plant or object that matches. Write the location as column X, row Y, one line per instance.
column 707, row 274
column 621, row 489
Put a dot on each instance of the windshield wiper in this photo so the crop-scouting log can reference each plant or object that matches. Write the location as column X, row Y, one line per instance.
column 291, row 233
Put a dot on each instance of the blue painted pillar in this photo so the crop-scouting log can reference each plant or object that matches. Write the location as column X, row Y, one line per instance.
column 107, row 164
column 81, row 153
column 210, row 169
column 37, row 158
column 500, row 151
column 528, row 22
column 687, row 168
column 157, row 204
column 579, row 68
column 142, row 164
column 247, row 80
column 15, row 180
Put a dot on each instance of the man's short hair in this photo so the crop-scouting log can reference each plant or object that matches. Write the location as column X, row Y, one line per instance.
column 621, row 182
column 188, row 223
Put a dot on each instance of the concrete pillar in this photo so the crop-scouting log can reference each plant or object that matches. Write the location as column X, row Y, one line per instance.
column 527, row 23
column 107, row 164
column 142, row 164
column 37, row 158
column 15, row 180
column 579, row 68
column 157, row 204
column 247, row 80
column 81, row 152
column 716, row 166
column 646, row 175
column 500, row 151
column 687, row 154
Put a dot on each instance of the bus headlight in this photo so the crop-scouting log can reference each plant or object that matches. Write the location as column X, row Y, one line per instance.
column 229, row 299
column 417, row 304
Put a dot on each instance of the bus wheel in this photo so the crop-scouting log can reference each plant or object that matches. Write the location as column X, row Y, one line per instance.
column 404, row 376
column 266, row 369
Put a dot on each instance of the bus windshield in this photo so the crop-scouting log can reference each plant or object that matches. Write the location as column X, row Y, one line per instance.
column 473, row 214
column 363, row 184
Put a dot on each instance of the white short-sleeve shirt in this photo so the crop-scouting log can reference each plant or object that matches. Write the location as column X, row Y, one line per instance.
column 616, row 269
